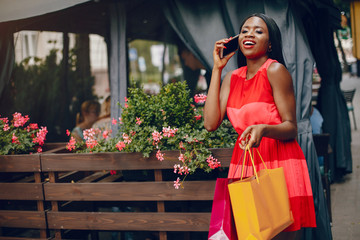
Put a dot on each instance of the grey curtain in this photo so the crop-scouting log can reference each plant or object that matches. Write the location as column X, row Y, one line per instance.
column 7, row 58
column 196, row 21
column 331, row 102
column 117, row 46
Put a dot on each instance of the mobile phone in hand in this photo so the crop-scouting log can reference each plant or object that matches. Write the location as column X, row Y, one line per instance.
column 231, row 46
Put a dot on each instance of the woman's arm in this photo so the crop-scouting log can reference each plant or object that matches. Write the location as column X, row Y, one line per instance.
column 215, row 105
column 283, row 91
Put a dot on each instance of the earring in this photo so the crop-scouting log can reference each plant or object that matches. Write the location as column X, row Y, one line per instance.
column 269, row 50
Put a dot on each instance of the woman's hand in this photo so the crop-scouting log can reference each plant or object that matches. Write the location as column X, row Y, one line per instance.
column 220, row 63
column 252, row 136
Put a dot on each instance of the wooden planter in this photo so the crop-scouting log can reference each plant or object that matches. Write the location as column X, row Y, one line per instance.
column 83, row 197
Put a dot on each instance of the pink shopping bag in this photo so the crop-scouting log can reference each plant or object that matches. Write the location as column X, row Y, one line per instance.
column 222, row 226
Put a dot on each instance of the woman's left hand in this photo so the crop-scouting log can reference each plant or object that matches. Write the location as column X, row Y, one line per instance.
column 252, row 136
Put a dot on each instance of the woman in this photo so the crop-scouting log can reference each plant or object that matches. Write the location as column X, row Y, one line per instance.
column 258, row 98
column 89, row 114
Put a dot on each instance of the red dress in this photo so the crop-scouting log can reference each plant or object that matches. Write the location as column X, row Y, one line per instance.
column 251, row 102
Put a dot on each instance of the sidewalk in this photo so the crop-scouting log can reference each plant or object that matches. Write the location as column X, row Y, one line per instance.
column 345, row 196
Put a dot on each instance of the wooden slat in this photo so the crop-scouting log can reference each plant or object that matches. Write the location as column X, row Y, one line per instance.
column 129, row 191
column 21, row 191
column 118, row 161
column 20, row 163
column 149, row 221
column 23, row 219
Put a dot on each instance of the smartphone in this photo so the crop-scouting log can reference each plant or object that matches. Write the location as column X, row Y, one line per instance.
column 231, row 46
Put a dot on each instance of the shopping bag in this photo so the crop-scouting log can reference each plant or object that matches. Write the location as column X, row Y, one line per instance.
column 260, row 203
column 222, row 225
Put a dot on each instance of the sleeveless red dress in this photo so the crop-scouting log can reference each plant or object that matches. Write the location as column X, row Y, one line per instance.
column 251, row 102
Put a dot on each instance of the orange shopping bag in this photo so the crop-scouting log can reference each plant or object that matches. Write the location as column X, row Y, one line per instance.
column 260, row 203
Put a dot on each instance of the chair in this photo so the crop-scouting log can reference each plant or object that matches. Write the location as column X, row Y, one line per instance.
column 323, row 149
column 349, row 95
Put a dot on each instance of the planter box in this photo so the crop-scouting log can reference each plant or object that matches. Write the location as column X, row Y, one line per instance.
column 85, row 198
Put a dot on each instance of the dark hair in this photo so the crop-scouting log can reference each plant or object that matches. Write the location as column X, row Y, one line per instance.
column 86, row 107
column 274, row 39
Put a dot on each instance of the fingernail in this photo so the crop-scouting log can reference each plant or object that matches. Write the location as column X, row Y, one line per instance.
column 224, row 47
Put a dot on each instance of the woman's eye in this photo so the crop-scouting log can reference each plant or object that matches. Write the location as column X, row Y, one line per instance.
column 244, row 31
column 259, row 31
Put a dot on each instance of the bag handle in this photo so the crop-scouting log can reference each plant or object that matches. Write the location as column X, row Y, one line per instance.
column 247, row 149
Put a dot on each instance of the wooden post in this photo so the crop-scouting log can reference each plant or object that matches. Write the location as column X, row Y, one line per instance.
column 160, row 204
column 53, row 177
column 40, row 203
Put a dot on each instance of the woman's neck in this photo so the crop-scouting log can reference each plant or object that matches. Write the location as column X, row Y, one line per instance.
column 253, row 65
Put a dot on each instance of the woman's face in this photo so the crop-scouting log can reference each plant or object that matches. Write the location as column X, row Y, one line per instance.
column 92, row 115
column 254, row 38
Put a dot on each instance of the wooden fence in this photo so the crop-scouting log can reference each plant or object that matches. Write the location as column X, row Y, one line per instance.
column 75, row 196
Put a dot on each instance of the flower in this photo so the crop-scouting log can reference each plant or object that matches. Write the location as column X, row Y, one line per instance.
column 18, row 136
column 198, row 117
column 68, row 132
column 200, row 98
column 159, row 155
column 213, row 162
column 71, row 144
column 177, row 183
column 120, row 145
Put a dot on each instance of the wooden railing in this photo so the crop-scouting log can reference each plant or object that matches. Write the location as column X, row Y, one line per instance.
column 82, row 198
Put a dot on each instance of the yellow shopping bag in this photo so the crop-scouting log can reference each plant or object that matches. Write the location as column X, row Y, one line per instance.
column 260, row 203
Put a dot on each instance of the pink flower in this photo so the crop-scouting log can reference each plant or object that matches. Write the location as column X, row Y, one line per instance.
column 19, row 120
column 177, row 183
column 39, row 149
column 126, row 138
column 182, row 158
column 106, row 134
column 71, row 144
column 120, row 145
column 159, row 156
column 181, row 169
column 67, row 132
column 89, row 133
column 126, row 99
column 112, row 172
column 168, row 132
column 181, row 145
column 138, row 121
column 4, row 120
column 120, row 120
column 40, row 136
column 15, row 139
column 198, row 117
column 200, row 98
column 213, row 162
column 6, row 127
column 113, row 121
column 91, row 143
column 126, row 105
column 157, row 136
column 32, row 126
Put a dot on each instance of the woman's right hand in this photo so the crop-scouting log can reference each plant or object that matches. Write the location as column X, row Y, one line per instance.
column 220, row 63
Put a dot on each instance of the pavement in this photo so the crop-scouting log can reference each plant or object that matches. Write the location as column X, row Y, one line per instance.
column 345, row 195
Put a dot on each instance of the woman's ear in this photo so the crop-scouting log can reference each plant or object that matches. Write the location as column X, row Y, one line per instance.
column 269, row 49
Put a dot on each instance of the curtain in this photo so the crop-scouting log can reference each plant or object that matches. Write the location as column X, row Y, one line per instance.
column 7, row 59
column 196, row 21
column 117, row 46
column 331, row 102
